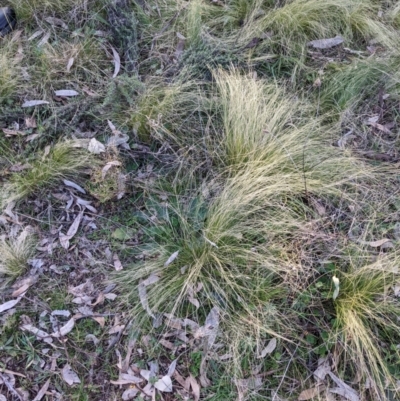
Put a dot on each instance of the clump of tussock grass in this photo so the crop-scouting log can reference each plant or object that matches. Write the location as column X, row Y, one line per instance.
column 272, row 131
column 366, row 313
column 64, row 160
column 345, row 87
column 299, row 21
column 27, row 9
column 238, row 243
column 14, row 254
column 175, row 111
column 10, row 75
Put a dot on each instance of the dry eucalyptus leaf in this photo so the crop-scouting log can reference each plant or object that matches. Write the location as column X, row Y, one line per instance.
column 130, row 394
column 171, row 258
column 117, row 263
column 195, row 387
column 39, row 334
column 44, row 40
column 269, row 348
column 143, row 299
column 310, row 393
column 70, row 64
column 377, row 244
column 326, row 43
column 65, row 329
column 56, row 22
column 9, row 304
column 66, row 93
column 323, row 369
column 96, row 147
column 64, row 239
column 69, row 376
column 72, row 184
column 117, row 62
column 31, row 103
column 42, row 391
column 343, row 389
column 108, row 166
column 164, row 384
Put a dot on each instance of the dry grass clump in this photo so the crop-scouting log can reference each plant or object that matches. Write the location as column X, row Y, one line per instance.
column 366, row 314
column 238, row 243
column 268, row 131
column 175, row 112
column 15, row 252
column 299, row 21
column 10, row 75
column 64, row 160
column 26, row 9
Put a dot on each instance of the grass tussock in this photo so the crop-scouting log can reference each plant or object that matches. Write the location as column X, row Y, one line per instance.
column 299, row 21
column 10, row 75
column 367, row 312
column 238, row 243
column 64, row 160
column 14, row 254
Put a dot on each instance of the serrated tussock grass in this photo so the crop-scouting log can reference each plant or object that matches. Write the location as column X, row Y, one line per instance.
column 238, row 243
column 367, row 312
column 14, row 254
column 63, row 160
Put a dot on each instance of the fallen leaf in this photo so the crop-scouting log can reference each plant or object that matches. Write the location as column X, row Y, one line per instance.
column 96, row 147
column 39, row 334
column 42, row 391
column 377, row 244
column 11, row 132
column 132, row 379
column 70, row 63
column 268, row 349
column 44, row 40
column 326, row 43
column 171, row 258
column 180, row 47
column 9, row 304
column 30, row 122
column 343, row 389
column 164, row 384
column 66, row 93
column 31, row 138
column 172, row 367
column 322, row 370
column 73, row 185
column 167, row 344
column 117, row 263
column 21, row 290
column 31, row 103
column 195, row 387
column 117, row 62
column 143, row 299
column 93, row 338
column 35, row 35
column 336, row 283
column 65, row 329
column 69, row 376
column 56, row 22
column 108, row 166
column 100, row 320
column 64, row 239
column 129, row 394
column 309, row 393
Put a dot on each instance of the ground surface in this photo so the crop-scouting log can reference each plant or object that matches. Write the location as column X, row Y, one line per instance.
column 199, row 200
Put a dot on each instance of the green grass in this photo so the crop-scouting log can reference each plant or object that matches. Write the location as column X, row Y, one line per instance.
column 64, row 160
